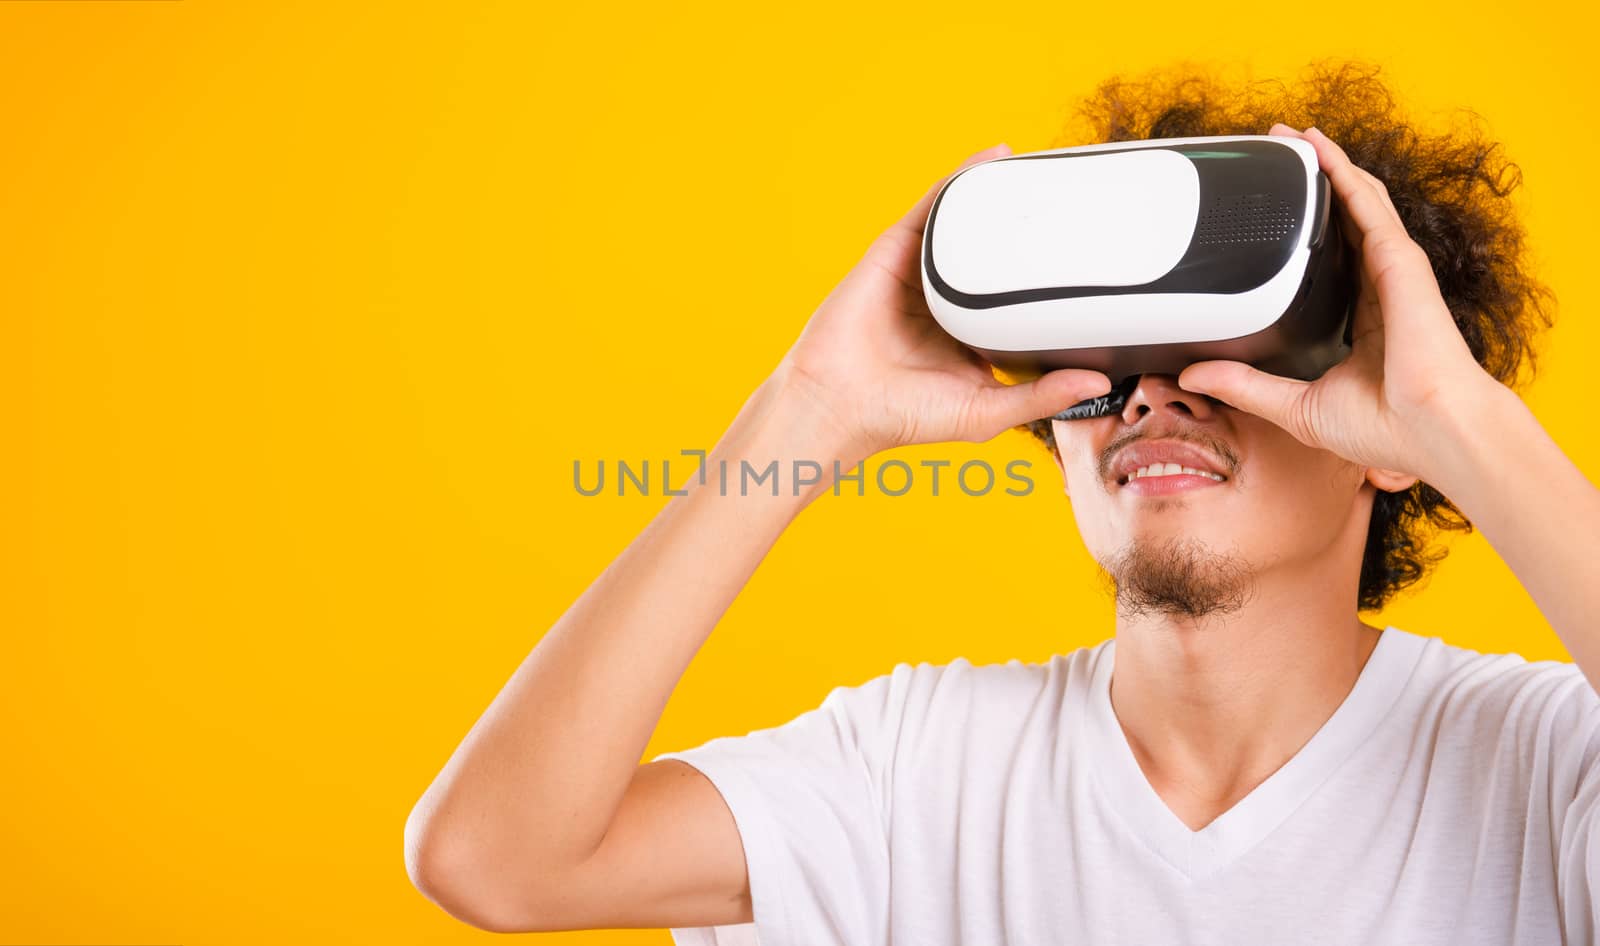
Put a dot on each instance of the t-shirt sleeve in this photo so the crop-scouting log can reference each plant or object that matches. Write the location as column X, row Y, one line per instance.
column 809, row 801
column 1570, row 728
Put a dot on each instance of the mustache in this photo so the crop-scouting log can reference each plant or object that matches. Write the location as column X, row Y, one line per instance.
column 1196, row 437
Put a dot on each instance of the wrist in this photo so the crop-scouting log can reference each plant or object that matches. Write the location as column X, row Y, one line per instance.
column 1471, row 435
column 799, row 414
column 785, row 429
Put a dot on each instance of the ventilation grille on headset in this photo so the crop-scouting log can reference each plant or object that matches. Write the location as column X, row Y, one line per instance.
column 1245, row 218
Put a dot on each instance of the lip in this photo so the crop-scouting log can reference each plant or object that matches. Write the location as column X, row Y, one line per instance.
column 1145, row 452
column 1165, row 485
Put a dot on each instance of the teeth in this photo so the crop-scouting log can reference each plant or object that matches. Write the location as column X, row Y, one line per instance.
column 1171, row 469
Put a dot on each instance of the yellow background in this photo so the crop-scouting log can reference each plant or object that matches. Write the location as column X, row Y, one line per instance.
column 308, row 309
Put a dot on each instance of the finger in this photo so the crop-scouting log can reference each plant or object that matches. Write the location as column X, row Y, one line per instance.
column 1367, row 314
column 1378, row 185
column 1400, row 272
column 1381, row 188
column 999, row 407
column 1365, row 209
column 1351, row 234
column 1279, row 400
column 917, row 216
column 906, row 234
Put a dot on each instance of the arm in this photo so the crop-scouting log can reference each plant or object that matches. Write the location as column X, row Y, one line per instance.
column 543, row 819
column 1534, row 506
column 1542, row 515
column 535, row 785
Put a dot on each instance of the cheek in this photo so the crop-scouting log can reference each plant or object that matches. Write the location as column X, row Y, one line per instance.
column 1091, row 507
column 1306, row 496
column 1075, row 444
column 1081, row 475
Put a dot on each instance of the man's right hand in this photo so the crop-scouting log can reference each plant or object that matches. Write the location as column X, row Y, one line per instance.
column 880, row 372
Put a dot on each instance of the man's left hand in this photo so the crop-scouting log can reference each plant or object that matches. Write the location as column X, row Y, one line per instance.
column 1386, row 404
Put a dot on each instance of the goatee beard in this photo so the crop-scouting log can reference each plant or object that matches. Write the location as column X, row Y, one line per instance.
column 1182, row 577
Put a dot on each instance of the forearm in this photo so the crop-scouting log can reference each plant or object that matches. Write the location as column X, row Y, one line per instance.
column 543, row 771
column 1537, row 509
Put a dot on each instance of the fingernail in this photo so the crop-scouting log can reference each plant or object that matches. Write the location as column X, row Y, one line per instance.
column 1314, row 131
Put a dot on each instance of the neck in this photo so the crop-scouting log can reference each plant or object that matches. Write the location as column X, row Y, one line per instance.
column 1212, row 707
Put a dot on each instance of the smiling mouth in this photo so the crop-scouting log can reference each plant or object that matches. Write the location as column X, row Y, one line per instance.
column 1156, row 471
column 1156, row 480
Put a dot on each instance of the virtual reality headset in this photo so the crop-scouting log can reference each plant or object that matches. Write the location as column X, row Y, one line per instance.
column 1144, row 256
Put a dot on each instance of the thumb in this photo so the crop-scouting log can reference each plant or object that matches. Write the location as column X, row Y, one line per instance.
column 1008, row 405
column 1270, row 396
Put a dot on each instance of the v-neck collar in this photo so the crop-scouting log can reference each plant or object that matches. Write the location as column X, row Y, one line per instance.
column 1196, row 854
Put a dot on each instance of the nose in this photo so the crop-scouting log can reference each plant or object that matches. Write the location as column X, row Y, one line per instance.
column 1160, row 392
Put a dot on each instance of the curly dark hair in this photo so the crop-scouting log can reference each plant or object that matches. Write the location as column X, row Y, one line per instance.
column 1452, row 191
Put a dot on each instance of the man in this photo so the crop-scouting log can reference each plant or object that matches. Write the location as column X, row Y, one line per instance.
column 1261, row 766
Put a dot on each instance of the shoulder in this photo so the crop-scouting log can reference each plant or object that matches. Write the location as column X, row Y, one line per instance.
column 925, row 685
column 1467, row 680
column 1493, row 697
column 960, row 698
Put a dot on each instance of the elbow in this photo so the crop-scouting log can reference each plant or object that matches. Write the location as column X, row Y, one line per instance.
column 448, row 874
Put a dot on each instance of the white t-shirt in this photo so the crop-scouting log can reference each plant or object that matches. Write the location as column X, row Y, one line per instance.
column 1451, row 799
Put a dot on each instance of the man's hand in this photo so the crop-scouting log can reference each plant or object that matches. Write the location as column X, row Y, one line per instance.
column 874, row 363
column 1384, row 406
